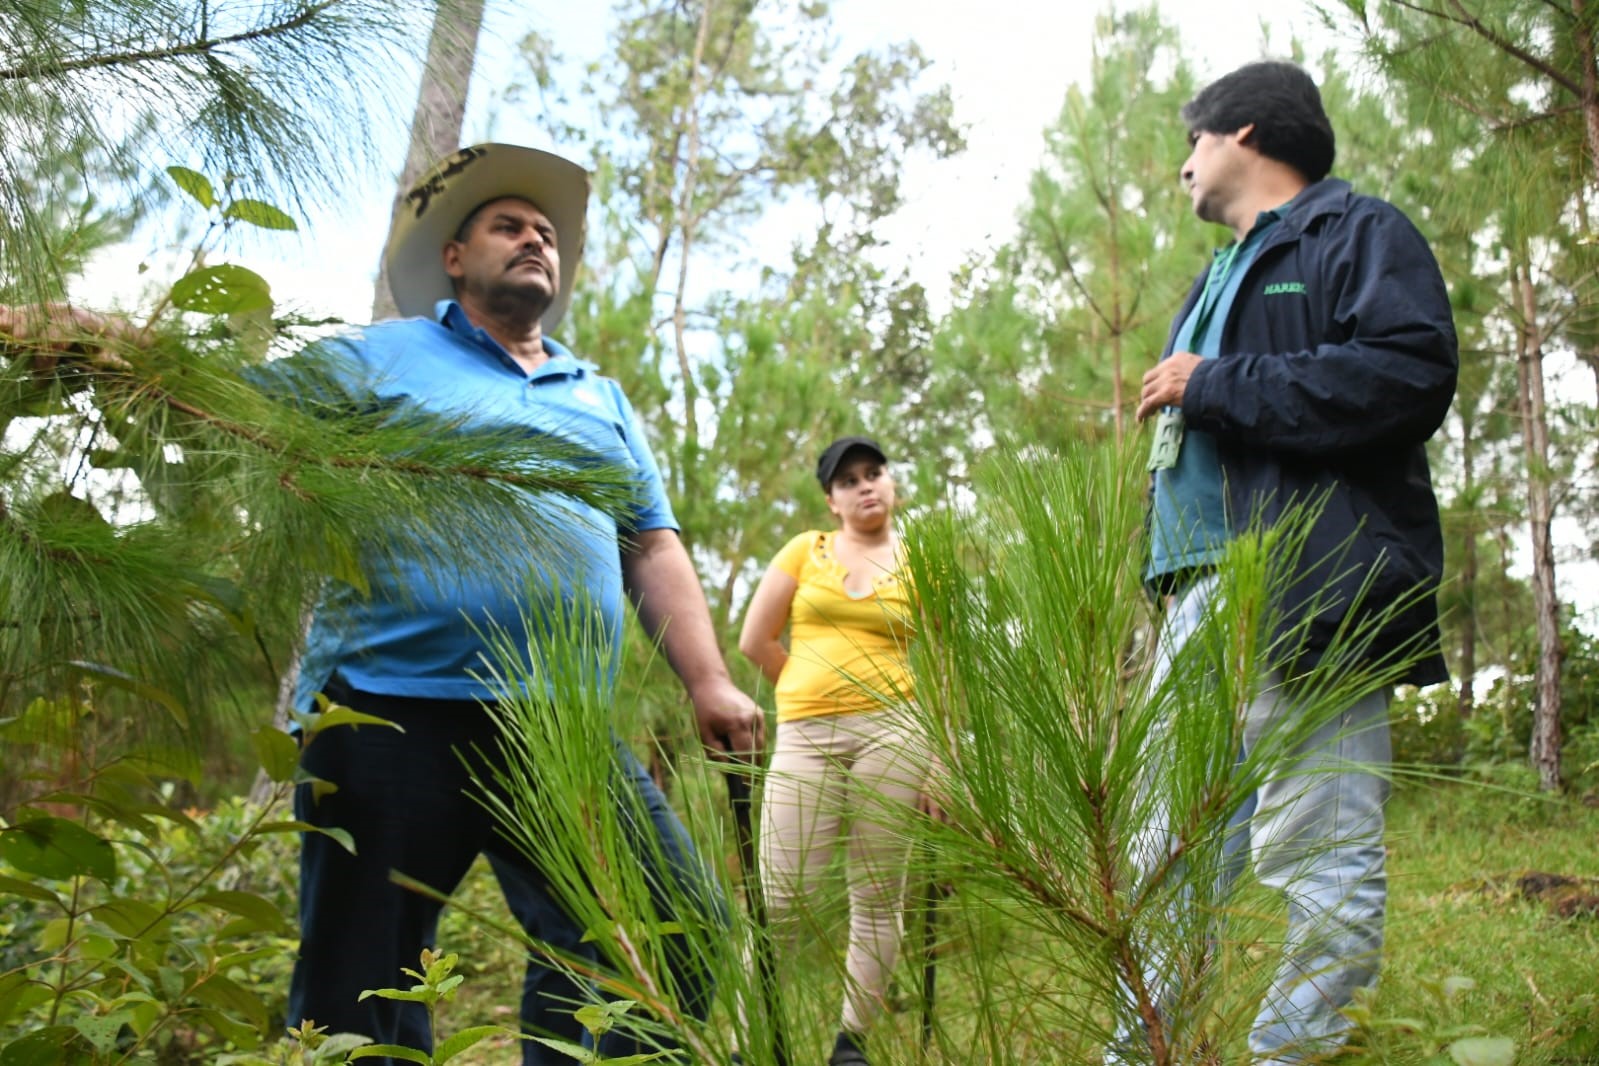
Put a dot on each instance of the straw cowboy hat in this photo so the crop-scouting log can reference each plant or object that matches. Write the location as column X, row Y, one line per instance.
column 459, row 184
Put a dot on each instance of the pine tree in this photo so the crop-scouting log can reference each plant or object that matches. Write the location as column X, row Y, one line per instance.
column 1525, row 77
column 166, row 506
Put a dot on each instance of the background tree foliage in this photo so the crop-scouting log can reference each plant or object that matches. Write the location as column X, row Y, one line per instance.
column 1510, row 92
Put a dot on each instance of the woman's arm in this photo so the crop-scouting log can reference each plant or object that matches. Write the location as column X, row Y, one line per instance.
column 764, row 621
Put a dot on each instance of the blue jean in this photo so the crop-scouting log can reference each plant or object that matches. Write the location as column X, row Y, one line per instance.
column 406, row 799
column 1314, row 829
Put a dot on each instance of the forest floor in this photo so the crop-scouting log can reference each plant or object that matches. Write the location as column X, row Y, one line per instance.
column 1493, row 932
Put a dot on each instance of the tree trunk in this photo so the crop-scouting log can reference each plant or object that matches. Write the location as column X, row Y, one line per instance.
column 1546, row 734
column 440, row 113
column 687, row 221
column 1583, row 39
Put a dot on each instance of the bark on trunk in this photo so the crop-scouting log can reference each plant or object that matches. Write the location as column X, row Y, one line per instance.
column 1546, row 732
column 688, row 221
column 440, row 112
column 1582, row 37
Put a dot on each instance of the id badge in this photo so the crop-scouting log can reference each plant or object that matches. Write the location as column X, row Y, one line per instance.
column 1168, row 440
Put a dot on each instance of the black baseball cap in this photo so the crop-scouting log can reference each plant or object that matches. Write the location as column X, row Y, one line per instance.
column 827, row 465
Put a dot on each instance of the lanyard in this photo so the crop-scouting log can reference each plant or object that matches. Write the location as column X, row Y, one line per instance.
column 1215, row 282
column 1169, row 426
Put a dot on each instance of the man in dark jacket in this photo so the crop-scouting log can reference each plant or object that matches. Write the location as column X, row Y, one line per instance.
column 1307, row 369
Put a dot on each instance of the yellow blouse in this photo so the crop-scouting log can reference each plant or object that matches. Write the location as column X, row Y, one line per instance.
column 846, row 653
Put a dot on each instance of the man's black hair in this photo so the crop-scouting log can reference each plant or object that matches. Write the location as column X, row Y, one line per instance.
column 1283, row 103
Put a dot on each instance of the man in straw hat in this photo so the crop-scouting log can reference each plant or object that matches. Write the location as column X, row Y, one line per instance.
column 483, row 262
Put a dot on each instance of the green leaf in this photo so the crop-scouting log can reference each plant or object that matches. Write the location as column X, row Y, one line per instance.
column 247, row 905
column 241, row 1034
column 132, row 918
column 459, row 1042
column 393, row 1051
column 195, row 184
column 259, row 213
column 278, row 752
column 172, row 982
column 565, row 1047
column 229, row 995
column 102, row 1030
column 345, row 840
column 404, row 995
column 58, row 849
column 224, row 289
column 15, row 886
column 598, row 1018
column 117, row 679
column 442, row 967
column 337, row 715
column 1483, row 1051
column 18, row 994
column 319, row 787
column 49, row 1046
column 53, row 935
column 95, row 947
column 336, row 1047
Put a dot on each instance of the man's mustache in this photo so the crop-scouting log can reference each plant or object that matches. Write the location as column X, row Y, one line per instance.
column 526, row 257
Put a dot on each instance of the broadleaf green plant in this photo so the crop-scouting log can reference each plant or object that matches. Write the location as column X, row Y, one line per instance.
column 134, row 927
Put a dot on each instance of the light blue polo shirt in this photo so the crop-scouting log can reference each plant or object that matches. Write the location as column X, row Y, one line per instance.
column 420, row 631
column 1188, row 517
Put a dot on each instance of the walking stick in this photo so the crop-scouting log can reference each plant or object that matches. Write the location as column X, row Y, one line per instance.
column 934, row 893
column 741, row 798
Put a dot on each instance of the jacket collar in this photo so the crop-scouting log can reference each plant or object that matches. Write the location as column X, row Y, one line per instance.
column 1329, row 196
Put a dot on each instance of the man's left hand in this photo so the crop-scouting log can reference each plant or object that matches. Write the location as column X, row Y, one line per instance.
column 1164, row 386
column 731, row 725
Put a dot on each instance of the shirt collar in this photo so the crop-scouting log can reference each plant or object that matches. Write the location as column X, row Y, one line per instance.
column 453, row 317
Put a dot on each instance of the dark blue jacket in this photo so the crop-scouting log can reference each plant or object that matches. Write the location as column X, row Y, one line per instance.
column 1338, row 362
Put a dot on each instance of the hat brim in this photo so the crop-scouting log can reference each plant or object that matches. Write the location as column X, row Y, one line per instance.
column 459, row 184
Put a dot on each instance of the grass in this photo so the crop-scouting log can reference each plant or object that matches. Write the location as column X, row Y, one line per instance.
column 1457, row 852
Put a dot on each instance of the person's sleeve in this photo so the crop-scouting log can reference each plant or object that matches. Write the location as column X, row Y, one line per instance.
column 791, row 557
column 1383, row 379
column 328, row 375
column 651, row 508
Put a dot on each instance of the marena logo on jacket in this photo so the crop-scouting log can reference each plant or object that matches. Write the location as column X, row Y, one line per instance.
column 1283, row 288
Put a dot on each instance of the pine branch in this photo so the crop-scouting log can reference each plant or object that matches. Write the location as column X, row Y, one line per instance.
column 115, row 372
column 1465, row 18
column 204, row 46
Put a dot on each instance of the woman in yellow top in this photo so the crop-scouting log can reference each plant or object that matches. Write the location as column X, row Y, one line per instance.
column 845, row 753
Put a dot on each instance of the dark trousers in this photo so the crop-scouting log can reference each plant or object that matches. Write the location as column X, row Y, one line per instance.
column 408, row 802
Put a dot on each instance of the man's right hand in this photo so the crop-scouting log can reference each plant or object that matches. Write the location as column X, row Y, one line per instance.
column 52, row 332
column 731, row 725
column 1164, row 386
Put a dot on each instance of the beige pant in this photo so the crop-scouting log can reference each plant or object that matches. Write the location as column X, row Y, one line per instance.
column 850, row 775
